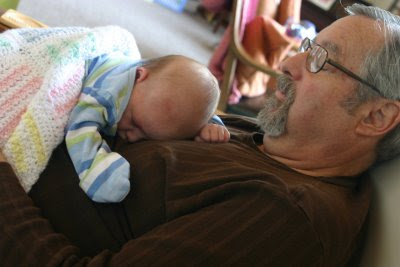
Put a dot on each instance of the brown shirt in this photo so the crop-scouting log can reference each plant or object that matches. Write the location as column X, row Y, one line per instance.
column 190, row 204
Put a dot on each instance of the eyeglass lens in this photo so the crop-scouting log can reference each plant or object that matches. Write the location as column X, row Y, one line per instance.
column 316, row 58
column 305, row 44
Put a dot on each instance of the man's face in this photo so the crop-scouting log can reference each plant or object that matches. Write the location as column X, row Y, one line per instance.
column 311, row 111
column 273, row 117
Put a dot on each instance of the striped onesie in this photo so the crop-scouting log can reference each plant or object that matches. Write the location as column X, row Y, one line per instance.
column 104, row 175
column 107, row 86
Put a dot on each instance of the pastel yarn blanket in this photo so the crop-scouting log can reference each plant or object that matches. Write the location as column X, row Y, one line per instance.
column 41, row 72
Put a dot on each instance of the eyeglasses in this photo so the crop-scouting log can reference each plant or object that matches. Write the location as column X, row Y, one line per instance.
column 318, row 56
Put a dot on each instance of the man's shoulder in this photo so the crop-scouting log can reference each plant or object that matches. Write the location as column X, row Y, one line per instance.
column 337, row 212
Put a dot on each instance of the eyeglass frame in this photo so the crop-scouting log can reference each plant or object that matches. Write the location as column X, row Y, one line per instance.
column 303, row 48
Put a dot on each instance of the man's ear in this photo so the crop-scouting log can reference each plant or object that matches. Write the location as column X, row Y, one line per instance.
column 141, row 74
column 380, row 119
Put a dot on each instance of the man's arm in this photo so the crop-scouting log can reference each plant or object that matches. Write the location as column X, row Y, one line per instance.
column 195, row 239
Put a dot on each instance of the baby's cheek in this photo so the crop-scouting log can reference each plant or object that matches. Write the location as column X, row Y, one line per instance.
column 122, row 124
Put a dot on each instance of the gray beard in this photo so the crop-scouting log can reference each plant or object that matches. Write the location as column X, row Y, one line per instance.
column 272, row 118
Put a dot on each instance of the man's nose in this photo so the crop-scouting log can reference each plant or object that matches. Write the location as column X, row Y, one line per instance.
column 294, row 66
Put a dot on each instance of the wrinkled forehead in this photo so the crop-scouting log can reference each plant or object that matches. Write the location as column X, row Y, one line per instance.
column 351, row 38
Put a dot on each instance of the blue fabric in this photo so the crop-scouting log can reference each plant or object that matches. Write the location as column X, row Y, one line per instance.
column 106, row 91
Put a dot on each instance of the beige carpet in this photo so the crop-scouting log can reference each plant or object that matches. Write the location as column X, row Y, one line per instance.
column 158, row 30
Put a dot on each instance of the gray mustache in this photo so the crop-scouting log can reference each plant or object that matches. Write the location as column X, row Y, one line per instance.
column 285, row 84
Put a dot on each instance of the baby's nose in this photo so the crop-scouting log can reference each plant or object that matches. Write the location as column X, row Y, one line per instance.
column 134, row 135
column 122, row 134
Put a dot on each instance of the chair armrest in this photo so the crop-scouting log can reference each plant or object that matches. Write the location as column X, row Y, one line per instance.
column 237, row 52
column 11, row 19
column 237, row 46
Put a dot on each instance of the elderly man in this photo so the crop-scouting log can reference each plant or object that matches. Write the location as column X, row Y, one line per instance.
column 297, row 195
column 334, row 115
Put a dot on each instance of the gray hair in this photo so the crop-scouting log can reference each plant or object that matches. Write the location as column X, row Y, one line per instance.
column 382, row 69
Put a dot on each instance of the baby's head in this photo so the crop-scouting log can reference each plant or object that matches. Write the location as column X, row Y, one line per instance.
column 173, row 98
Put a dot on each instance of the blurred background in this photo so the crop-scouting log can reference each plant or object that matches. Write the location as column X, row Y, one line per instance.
column 158, row 30
column 198, row 29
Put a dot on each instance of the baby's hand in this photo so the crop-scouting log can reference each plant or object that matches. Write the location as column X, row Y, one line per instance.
column 213, row 133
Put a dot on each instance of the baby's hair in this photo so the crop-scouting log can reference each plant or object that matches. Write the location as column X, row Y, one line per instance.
column 159, row 63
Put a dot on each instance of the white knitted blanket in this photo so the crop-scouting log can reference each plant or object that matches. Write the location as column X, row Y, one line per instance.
column 41, row 73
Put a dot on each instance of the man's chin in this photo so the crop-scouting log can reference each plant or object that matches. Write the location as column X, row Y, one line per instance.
column 272, row 119
column 274, row 132
column 272, row 128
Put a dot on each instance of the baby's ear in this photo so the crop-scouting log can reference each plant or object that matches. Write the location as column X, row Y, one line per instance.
column 141, row 74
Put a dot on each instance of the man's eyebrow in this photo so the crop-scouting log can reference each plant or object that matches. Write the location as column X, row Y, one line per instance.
column 332, row 48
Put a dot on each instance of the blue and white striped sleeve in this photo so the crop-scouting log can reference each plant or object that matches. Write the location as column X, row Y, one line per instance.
column 216, row 120
column 104, row 175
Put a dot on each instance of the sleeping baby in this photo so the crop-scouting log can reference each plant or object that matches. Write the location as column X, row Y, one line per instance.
column 171, row 97
column 76, row 83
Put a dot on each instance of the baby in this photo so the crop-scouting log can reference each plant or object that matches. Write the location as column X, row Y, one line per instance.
column 171, row 97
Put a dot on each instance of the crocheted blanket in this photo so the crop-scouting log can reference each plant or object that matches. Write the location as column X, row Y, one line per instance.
column 41, row 72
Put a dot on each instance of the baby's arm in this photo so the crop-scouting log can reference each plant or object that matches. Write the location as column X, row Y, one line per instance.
column 104, row 175
column 213, row 132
